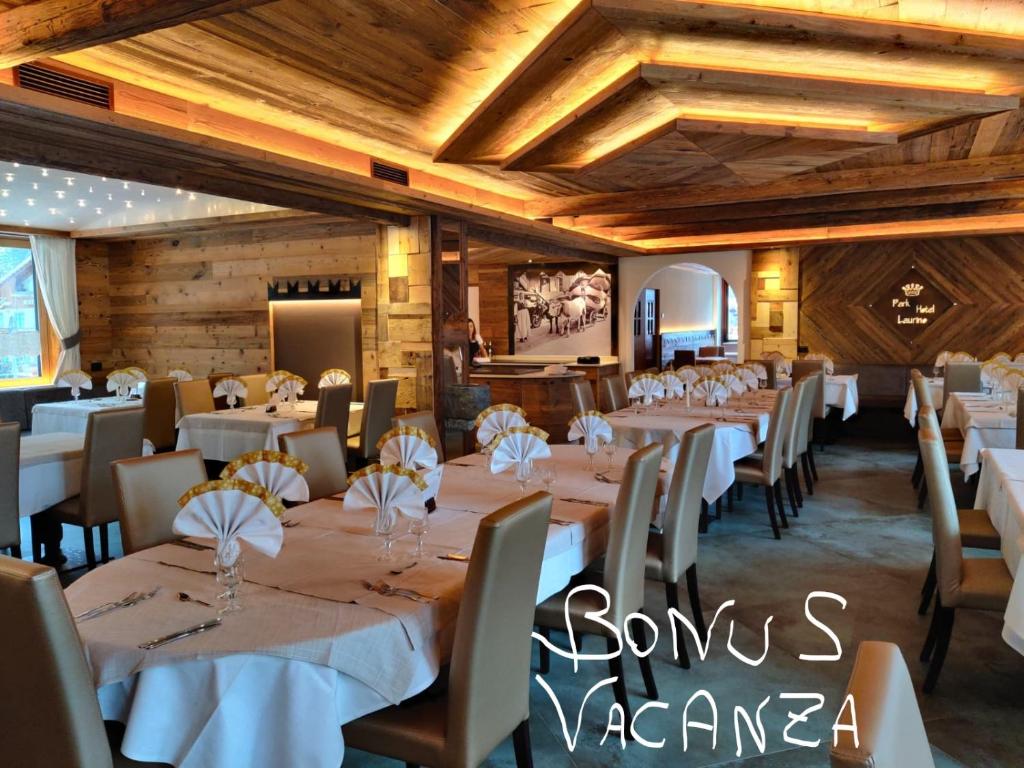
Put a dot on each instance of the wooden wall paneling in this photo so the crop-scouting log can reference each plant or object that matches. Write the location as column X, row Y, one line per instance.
column 494, row 314
column 93, row 278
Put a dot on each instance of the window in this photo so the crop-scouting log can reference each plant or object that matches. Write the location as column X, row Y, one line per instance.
column 730, row 314
column 21, row 340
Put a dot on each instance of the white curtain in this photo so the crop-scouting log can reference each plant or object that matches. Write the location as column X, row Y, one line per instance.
column 54, row 259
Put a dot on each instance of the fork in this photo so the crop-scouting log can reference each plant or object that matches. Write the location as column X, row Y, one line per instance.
column 133, row 599
column 388, row 590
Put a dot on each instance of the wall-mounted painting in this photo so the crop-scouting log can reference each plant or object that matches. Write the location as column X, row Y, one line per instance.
column 562, row 309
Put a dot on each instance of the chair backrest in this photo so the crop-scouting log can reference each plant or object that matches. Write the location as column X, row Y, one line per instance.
column 321, row 450
column 219, row 403
column 489, row 680
column 922, row 391
column 158, row 403
column 799, row 404
column 889, row 727
column 10, row 457
column 712, row 351
column 255, row 388
column 683, row 505
column 805, row 417
column 960, row 377
column 333, row 408
column 681, row 357
column 1020, row 419
column 110, row 435
column 615, row 392
column 377, row 412
column 48, row 703
column 422, row 420
column 627, row 533
column 582, row 396
column 193, row 397
column 771, row 463
column 803, row 368
column 147, row 490
column 945, row 521
column 772, row 373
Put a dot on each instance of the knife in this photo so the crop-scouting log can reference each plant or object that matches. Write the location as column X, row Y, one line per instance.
column 196, row 630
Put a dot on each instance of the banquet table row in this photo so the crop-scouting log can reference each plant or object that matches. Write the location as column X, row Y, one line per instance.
column 313, row 648
column 73, row 415
column 841, row 391
column 984, row 422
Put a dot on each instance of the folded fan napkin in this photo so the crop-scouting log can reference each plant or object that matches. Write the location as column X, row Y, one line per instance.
column 712, row 391
column 782, row 365
column 992, row 373
column 408, row 447
column 231, row 511
column 674, row 386
column 733, row 383
column 180, row 374
column 1012, row 380
column 332, row 377
column 960, row 357
column 748, row 377
column 120, row 382
column 432, row 478
column 829, row 365
column 759, row 369
column 380, row 489
column 517, row 445
column 1019, row 357
column 688, row 375
column 274, row 379
column 704, row 371
column 291, row 387
column 648, row 387
column 492, row 421
column 278, row 472
column 720, row 368
column 230, row 388
column 77, row 380
column 1000, row 357
column 593, row 428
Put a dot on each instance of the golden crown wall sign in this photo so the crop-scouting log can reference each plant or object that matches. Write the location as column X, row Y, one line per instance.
column 912, row 305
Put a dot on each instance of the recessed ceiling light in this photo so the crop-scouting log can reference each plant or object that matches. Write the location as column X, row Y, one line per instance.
column 9, row 176
column 90, row 189
column 17, row 165
column 191, row 195
column 142, row 193
column 3, row 212
column 53, row 211
column 60, row 194
column 69, row 180
column 110, row 196
column 45, row 171
column 71, row 220
column 35, row 185
column 127, row 203
column 5, row 193
column 99, row 211
column 177, row 191
column 104, row 178
column 81, row 203
column 125, row 183
column 31, row 202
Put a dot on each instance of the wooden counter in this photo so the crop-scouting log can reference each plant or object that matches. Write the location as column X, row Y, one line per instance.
column 595, row 373
column 546, row 399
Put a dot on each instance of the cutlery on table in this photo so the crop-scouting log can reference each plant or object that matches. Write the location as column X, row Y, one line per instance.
column 387, row 590
column 403, row 568
column 126, row 602
column 196, row 630
column 289, row 523
column 560, row 521
column 586, row 501
column 190, row 545
column 185, row 597
column 459, row 464
column 603, row 478
column 456, row 556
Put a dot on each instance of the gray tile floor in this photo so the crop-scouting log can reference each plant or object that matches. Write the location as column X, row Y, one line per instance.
column 860, row 536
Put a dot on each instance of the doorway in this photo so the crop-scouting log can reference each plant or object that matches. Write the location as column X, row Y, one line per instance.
column 646, row 330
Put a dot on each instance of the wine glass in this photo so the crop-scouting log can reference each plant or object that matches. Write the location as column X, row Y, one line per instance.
column 418, row 527
column 386, row 527
column 635, row 401
column 524, row 469
column 548, row 475
column 230, row 574
column 591, row 447
column 610, row 447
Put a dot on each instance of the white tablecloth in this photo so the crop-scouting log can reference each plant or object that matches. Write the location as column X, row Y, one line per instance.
column 73, row 415
column 225, row 435
column 983, row 422
column 840, row 392
column 911, row 405
column 259, row 691
column 50, row 470
column 1001, row 492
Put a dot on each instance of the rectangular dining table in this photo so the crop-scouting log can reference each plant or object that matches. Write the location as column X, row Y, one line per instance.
column 312, row 648
column 910, row 406
column 841, row 391
column 73, row 415
column 49, row 470
column 984, row 422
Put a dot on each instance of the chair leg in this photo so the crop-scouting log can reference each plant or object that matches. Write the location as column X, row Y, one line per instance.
column 777, row 489
column 918, row 473
column 16, row 551
column 922, row 493
column 944, row 631
column 695, row 609
column 672, row 601
column 718, row 508
column 90, row 547
column 807, row 474
column 619, row 673
column 810, row 460
column 702, row 526
column 928, row 589
column 729, row 495
column 105, row 543
column 545, row 654
column 793, row 504
column 521, row 744
column 739, row 491
column 35, row 523
column 640, row 630
column 771, row 512
column 795, row 479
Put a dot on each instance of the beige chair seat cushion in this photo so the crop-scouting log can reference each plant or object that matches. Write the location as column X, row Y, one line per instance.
column 68, row 511
column 412, row 732
column 551, row 613
column 654, row 564
column 749, row 471
column 976, row 529
column 986, row 584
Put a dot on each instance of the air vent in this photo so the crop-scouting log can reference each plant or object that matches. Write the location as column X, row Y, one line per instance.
column 57, row 83
column 390, row 173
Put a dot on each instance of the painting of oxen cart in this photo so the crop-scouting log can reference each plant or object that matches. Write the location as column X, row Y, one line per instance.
column 561, row 309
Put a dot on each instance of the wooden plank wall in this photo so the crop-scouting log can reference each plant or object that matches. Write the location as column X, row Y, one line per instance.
column 983, row 275
column 494, row 317
column 93, row 277
column 775, row 282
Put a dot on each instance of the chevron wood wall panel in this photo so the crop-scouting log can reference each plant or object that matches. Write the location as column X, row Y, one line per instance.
column 840, row 286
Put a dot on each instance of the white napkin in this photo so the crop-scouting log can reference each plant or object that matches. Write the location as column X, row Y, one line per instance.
column 593, row 428
column 432, row 477
column 1019, row 358
column 782, row 365
column 942, row 359
column 648, row 387
column 960, row 357
column 120, row 382
column 674, row 386
column 829, row 365
column 992, row 373
column 719, row 368
column 230, row 511
column 1012, row 381
column 517, row 445
column 759, row 370
column 274, row 379
column 332, row 377
column 408, row 447
column 291, row 387
column 380, row 489
column 712, row 391
column 77, row 380
column 733, row 383
column 688, row 375
column 278, row 472
column 494, row 420
column 1000, row 357
column 555, row 370
column 748, row 377
column 180, row 374
column 230, row 388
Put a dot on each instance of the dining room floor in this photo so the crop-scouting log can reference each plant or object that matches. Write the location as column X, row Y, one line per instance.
column 860, row 536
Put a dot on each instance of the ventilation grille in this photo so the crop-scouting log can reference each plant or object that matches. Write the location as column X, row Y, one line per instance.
column 56, row 83
column 390, row 173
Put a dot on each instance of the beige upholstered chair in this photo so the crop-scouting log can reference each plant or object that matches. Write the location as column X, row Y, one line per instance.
column 333, row 409
column 797, row 420
column 963, row 582
column 766, row 470
column 147, row 489
column 48, row 702
column 158, row 403
column 110, row 435
column 193, row 397
column 220, row 403
column 321, row 450
column 712, row 351
column 820, row 409
column 616, row 395
column 772, row 373
column 803, row 448
column 952, row 438
column 255, row 388
column 960, row 377
column 422, row 420
column 672, row 552
column 976, row 529
column 377, row 412
column 10, row 452
column 889, row 727
column 623, row 576
column 582, row 396
column 485, row 700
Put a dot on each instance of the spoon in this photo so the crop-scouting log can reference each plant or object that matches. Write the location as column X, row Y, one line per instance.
column 185, row 597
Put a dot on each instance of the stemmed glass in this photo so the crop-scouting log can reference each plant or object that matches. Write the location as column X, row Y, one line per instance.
column 524, row 469
column 386, row 526
column 548, row 475
column 230, row 575
column 418, row 527
column 610, row 447
column 636, row 405
column 591, row 447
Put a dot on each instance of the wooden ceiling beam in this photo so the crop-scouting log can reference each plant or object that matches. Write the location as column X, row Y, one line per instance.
column 52, row 27
column 534, row 244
